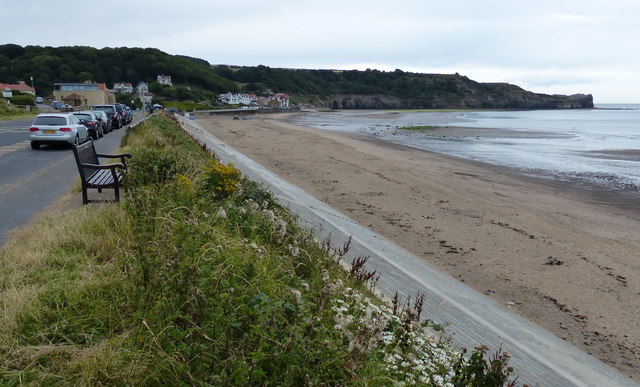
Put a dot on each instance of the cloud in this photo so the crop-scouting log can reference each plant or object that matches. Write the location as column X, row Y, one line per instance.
column 545, row 45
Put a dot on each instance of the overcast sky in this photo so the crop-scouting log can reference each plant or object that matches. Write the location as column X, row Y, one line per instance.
column 548, row 46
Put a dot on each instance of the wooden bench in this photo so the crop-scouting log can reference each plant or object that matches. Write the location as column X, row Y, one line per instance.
column 96, row 176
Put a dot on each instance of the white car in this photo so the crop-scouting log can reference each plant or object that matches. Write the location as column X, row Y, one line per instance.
column 57, row 128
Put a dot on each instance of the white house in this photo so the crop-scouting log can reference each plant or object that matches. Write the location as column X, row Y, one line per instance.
column 142, row 88
column 238, row 99
column 122, row 87
column 230, row 98
column 164, row 80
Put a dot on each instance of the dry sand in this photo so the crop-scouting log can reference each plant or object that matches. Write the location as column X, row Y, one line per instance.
column 564, row 257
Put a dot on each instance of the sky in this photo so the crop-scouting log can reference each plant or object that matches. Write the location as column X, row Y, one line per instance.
column 545, row 46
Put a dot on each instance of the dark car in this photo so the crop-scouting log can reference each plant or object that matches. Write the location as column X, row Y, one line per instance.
column 123, row 112
column 104, row 119
column 89, row 119
column 129, row 114
column 114, row 111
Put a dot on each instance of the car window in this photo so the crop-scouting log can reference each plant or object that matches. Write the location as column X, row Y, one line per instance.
column 84, row 116
column 73, row 120
column 49, row 120
column 109, row 109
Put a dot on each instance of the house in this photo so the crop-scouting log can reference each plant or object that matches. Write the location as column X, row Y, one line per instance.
column 282, row 100
column 229, row 98
column 238, row 99
column 122, row 87
column 164, row 80
column 275, row 101
column 83, row 94
column 20, row 86
column 142, row 88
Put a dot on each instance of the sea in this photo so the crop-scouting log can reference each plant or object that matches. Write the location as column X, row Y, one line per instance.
column 599, row 147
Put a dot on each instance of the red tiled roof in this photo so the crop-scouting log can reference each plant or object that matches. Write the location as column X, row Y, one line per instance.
column 18, row 87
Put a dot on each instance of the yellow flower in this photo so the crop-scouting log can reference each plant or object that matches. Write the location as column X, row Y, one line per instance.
column 223, row 179
column 184, row 181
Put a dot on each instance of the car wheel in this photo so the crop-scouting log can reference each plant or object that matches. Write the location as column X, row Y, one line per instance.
column 35, row 145
column 76, row 142
column 93, row 135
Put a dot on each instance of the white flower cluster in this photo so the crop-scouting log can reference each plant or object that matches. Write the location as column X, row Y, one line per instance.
column 413, row 353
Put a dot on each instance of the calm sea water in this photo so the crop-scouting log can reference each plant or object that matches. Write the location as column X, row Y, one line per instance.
column 599, row 146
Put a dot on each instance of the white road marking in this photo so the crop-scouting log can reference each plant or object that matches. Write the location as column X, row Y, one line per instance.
column 14, row 147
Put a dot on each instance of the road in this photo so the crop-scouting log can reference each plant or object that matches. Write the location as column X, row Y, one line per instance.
column 30, row 180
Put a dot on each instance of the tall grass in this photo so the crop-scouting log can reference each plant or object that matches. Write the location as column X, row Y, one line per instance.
column 200, row 277
column 9, row 111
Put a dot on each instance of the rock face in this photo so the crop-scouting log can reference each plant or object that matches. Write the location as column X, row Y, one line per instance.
column 467, row 96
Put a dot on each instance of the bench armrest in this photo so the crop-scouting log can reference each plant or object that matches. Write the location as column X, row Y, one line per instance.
column 122, row 155
column 106, row 166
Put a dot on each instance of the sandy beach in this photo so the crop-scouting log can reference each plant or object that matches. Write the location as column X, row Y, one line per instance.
column 565, row 257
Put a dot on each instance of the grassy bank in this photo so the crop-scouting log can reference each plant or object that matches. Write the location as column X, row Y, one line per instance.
column 11, row 112
column 200, row 277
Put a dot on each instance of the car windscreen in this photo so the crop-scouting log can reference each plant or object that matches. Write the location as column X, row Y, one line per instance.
column 84, row 117
column 108, row 109
column 50, row 120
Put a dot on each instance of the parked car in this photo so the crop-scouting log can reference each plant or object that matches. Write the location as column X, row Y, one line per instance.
column 113, row 111
column 88, row 119
column 123, row 112
column 56, row 104
column 128, row 113
column 57, row 128
column 105, row 120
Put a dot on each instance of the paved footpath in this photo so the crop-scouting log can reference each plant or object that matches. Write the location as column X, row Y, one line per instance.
column 538, row 357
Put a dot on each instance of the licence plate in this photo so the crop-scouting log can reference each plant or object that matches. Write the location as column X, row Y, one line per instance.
column 49, row 131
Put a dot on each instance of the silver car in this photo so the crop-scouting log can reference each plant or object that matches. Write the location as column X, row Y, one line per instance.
column 57, row 128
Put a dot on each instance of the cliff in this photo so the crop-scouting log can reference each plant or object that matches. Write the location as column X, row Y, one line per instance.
column 487, row 96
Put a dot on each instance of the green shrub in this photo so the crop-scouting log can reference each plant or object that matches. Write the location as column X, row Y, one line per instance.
column 23, row 100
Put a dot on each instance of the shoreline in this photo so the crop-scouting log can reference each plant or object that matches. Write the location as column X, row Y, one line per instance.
column 489, row 227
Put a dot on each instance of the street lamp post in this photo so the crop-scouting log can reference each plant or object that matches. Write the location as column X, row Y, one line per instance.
column 35, row 103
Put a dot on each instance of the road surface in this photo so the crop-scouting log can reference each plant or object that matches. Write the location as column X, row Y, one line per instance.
column 30, row 180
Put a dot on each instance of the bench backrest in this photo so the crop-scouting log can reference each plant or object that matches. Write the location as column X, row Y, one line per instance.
column 85, row 154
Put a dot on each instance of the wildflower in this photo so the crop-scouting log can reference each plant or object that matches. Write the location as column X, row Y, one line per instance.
column 282, row 228
column 297, row 295
column 269, row 216
column 252, row 205
column 221, row 213
column 305, row 286
column 223, row 179
column 184, row 181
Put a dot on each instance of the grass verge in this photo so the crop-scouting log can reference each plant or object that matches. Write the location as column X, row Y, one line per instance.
column 200, row 277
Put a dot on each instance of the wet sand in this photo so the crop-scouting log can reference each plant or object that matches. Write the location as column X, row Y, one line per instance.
column 566, row 257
